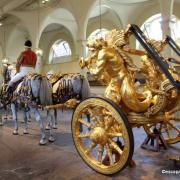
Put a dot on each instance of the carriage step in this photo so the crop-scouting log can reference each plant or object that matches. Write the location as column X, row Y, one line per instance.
column 154, row 142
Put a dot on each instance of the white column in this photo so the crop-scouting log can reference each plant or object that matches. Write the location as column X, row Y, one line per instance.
column 81, row 47
column 39, row 64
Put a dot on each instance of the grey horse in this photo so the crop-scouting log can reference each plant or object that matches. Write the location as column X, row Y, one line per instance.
column 68, row 86
column 38, row 93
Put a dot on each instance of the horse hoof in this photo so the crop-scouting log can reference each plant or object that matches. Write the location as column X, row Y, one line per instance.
column 54, row 127
column 25, row 131
column 15, row 132
column 51, row 139
column 47, row 128
column 42, row 142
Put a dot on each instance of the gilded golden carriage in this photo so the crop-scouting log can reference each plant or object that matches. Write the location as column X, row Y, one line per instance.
column 102, row 127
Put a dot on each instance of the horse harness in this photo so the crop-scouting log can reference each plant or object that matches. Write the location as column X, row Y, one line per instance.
column 25, row 94
column 65, row 89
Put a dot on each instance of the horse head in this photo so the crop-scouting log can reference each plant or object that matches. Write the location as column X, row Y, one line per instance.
column 8, row 72
column 5, row 73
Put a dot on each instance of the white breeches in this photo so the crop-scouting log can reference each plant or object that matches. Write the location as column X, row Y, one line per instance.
column 23, row 72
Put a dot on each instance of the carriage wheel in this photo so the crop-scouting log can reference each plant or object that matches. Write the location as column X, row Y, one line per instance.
column 102, row 135
column 169, row 130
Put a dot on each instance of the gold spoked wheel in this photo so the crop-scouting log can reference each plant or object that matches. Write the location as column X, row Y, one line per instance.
column 102, row 135
column 169, row 130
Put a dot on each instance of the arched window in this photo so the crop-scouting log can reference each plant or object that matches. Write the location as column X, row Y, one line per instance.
column 98, row 33
column 152, row 28
column 60, row 49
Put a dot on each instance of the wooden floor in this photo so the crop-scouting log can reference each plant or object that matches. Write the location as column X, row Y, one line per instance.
column 21, row 158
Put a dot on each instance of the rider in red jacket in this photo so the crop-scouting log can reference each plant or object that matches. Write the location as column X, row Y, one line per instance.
column 26, row 63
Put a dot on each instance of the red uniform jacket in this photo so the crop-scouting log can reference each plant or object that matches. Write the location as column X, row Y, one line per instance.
column 27, row 58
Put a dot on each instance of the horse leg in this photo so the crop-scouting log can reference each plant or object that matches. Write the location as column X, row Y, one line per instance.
column 55, row 119
column 50, row 117
column 28, row 117
column 5, row 114
column 25, row 123
column 1, row 122
column 14, row 116
column 48, row 125
column 10, row 113
column 38, row 118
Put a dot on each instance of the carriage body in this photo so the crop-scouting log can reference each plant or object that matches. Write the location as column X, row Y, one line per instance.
column 102, row 127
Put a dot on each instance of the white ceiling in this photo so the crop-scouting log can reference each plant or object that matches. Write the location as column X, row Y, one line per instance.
column 53, row 27
column 35, row 4
column 4, row 3
column 96, row 11
column 23, row 4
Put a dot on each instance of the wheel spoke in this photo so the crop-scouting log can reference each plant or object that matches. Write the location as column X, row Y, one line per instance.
column 109, row 152
column 100, row 153
column 160, row 128
column 101, row 123
column 115, row 134
column 91, row 147
column 174, row 127
column 86, row 135
column 85, row 123
column 108, row 122
column 116, row 147
column 167, row 132
column 96, row 121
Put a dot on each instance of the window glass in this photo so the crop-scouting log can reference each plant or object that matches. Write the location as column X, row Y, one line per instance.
column 98, row 33
column 59, row 49
column 152, row 28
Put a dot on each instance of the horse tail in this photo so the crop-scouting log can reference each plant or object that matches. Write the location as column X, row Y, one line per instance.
column 45, row 94
column 85, row 91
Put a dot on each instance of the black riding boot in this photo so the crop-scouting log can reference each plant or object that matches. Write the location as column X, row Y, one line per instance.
column 9, row 90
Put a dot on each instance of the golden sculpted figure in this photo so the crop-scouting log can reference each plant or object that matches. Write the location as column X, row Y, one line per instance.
column 101, row 127
column 111, row 58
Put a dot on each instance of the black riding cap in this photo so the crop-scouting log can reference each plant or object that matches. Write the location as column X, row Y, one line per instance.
column 28, row 43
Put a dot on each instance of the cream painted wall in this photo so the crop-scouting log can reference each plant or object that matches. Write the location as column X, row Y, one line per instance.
column 14, row 41
column 1, row 52
column 69, row 67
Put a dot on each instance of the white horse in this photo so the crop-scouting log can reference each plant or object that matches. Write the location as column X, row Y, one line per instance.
column 68, row 86
column 39, row 93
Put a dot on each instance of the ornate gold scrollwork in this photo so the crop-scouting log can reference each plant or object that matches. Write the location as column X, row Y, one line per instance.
column 110, row 59
column 97, row 129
